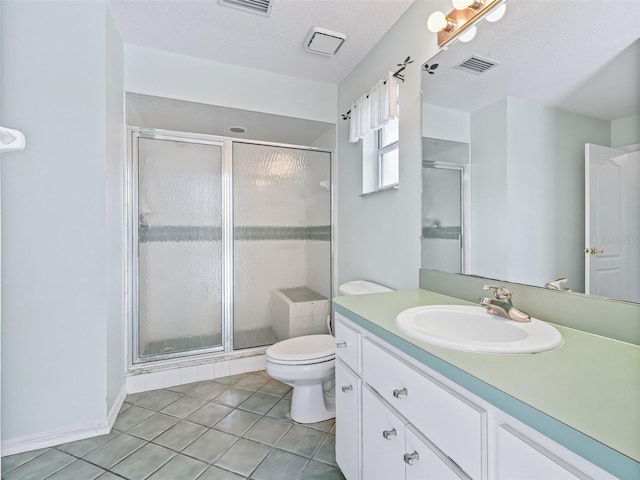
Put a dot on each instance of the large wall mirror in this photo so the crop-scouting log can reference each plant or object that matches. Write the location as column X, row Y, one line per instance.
column 531, row 149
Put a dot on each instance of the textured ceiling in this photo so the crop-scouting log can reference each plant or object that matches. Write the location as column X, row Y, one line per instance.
column 208, row 30
column 577, row 56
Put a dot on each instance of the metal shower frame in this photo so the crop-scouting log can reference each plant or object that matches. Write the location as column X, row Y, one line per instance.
column 134, row 362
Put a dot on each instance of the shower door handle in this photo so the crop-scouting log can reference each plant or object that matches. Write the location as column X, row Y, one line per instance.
column 142, row 222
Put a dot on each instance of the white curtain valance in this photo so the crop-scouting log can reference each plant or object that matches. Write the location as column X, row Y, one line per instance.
column 372, row 111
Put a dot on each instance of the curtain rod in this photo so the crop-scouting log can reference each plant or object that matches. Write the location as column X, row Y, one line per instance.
column 398, row 74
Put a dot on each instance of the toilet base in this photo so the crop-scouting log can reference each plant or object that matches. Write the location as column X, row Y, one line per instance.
column 313, row 396
column 309, row 405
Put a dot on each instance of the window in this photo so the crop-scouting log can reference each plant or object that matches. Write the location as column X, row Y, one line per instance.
column 381, row 158
column 388, row 155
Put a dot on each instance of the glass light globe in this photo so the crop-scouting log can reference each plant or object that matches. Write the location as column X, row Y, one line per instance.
column 462, row 4
column 436, row 21
column 468, row 35
column 497, row 14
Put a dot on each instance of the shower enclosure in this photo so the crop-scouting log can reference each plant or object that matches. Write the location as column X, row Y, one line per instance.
column 221, row 231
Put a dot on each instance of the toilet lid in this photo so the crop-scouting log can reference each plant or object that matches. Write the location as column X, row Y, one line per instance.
column 308, row 347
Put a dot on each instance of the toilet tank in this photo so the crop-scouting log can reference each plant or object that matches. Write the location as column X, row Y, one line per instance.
column 360, row 287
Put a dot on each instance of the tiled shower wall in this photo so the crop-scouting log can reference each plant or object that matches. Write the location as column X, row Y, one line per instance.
column 280, row 190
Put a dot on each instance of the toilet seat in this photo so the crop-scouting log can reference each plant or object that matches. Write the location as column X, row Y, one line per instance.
column 305, row 350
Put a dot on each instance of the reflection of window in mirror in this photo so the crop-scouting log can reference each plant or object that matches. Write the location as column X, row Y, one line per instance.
column 381, row 158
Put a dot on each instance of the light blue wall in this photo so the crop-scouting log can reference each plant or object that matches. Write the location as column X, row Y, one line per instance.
column 170, row 75
column 445, row 123
column 1, row 123
column 546, row 191
column 57, row 309
column 527, row 189
column 115, row 234
column 378, row 236
column 488, row 184
column 625, row 131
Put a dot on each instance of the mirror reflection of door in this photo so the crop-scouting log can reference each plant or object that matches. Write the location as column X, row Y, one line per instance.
column 442, row 217
column 612, row 233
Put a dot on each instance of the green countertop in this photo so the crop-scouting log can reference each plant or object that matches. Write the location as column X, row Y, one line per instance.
column 585, row 395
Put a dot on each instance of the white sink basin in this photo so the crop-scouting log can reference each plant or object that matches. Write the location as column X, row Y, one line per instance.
column 472, row 329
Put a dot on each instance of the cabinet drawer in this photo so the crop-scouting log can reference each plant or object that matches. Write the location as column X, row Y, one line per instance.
column 382, row 440
column 428, row 463
column 520, row 457
column 454, row 425
column 348, row 438
column 347, row 345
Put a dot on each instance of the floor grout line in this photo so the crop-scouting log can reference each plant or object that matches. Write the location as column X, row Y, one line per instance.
column 277, row 415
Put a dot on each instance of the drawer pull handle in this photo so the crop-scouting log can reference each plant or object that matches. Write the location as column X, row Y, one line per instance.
column 347, row 388
column 400, row 392
column 387, row 434
column 341, row 345
column 410, row 457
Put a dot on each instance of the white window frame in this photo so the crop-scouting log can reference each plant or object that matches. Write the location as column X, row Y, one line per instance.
column 372, row 153
column 381, row 151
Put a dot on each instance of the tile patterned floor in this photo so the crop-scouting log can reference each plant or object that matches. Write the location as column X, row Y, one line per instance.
column 230, row 428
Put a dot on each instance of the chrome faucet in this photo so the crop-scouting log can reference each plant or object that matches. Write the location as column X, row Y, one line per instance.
column 501, row 305
column 557, row 285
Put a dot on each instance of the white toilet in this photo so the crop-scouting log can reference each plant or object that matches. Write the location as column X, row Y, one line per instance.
column 307, row 364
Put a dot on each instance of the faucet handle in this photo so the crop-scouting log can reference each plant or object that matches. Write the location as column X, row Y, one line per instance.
column 500, row 293
column 556, row 284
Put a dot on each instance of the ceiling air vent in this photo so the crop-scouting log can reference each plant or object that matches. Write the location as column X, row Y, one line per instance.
column 477, row 65
column 261, row 7
column 323, row 41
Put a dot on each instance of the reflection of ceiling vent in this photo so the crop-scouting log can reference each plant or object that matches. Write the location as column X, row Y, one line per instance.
column 261, row 7
column 323, row 41
column 477, row 65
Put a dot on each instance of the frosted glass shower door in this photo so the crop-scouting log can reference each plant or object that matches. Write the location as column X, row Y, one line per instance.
column 442, row 218
column 282, row 243
column 179, row 308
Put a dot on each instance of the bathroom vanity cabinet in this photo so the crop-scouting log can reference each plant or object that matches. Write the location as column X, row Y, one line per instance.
column 397, row 418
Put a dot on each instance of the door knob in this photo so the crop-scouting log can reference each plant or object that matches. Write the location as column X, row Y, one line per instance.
column 347, row 388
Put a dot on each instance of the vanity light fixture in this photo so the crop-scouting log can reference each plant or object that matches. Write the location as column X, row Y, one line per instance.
column 469, row 35
column 462, row 19
column 497, row 14
column 462, row 4
column 437, row 21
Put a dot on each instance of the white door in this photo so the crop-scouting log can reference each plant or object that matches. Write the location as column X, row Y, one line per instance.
column 611, row 222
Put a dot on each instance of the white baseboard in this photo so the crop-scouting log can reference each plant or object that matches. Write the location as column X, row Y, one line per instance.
column 115, row 408
column 135, row 383
column 142, row 381
column 53, row 437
